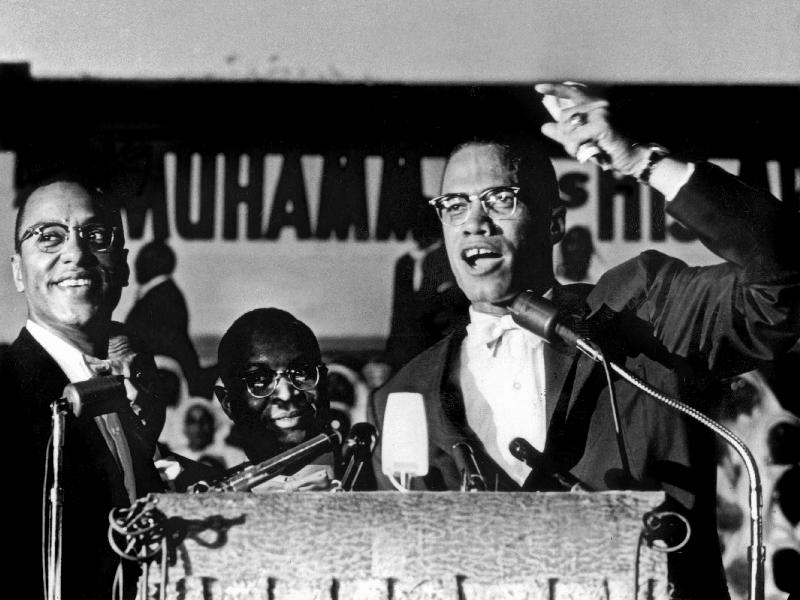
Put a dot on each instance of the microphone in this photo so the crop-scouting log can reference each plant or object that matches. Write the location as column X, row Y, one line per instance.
column 543, row 470
column 254, row 475
column 97, row 396
column 540, row 316
column 471, row 477
column 358, row 449
column 404, row 446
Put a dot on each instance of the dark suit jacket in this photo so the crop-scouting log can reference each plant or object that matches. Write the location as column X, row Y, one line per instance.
column 422, row 317
column 92, row 481
column 671, row 325
column 160, row 320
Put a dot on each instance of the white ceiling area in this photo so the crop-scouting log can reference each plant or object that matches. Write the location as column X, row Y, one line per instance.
column 414, row 41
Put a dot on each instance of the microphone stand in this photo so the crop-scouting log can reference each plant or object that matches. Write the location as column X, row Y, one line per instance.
column 756, row 553
column 101, row 394
column 58, row 413
column 471, row 477
column 250, row 477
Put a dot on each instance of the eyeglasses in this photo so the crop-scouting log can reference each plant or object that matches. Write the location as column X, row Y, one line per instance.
column 51, row 237
column 263, row 381
column 499, row 202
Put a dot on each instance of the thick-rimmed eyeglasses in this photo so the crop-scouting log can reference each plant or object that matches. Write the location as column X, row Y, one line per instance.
column 51, row 237
column 499, row 202
column 263, row 381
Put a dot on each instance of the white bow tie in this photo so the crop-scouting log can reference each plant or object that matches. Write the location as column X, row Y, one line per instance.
column 488, row 331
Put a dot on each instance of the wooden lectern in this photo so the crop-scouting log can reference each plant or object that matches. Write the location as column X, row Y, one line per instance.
column 392, row 546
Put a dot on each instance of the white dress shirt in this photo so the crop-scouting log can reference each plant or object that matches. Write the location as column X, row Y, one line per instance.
column 502, row 380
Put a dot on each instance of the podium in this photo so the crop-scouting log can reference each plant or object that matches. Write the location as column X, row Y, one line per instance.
column 392, row 546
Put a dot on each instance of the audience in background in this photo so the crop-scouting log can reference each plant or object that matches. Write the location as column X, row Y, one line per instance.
column 160, row 317
column 347, row 396
column 202, row 442
column 748, row 407
column 376, row 371
column 577, row 250
column 195, row 429
column 426, row 299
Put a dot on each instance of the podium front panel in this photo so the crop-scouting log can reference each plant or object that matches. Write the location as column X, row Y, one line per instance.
column 389, row 545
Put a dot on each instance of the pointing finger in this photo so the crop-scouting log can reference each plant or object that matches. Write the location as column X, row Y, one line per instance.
column 567, row 91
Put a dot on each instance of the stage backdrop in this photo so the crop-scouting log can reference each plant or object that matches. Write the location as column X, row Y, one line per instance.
column 318, row 235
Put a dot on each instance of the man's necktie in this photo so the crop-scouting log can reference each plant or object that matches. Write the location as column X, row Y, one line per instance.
column 110, row 427
column 98, row 366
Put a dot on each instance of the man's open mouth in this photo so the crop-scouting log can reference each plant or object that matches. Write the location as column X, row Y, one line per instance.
column 475, row 257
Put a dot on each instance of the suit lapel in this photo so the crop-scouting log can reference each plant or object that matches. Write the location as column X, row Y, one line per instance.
column 44, row 382
column 558, row 362
column 41, row 379
column 563, row 363
column 583, row 371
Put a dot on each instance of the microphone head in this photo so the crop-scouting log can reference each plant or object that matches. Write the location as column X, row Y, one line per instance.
column 360, row 442
column 363, row 434
column 536, row 314
column 96, row 396
column 471, row 477
column 405, row 435
column 522, row 450
column 462, row 454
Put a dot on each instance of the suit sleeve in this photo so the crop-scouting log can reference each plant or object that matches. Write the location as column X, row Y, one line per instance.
column 730, row 316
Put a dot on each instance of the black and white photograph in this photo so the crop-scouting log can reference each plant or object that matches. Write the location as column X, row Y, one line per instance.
column 437, row 300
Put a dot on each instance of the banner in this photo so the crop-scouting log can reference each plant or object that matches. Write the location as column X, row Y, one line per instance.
column 319, row 235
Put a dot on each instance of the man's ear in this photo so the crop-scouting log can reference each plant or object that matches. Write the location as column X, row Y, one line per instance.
column 557, row 224
column 221, row 394
column 16, row 271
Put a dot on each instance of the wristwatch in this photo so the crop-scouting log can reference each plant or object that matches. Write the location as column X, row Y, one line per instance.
column 657, row 153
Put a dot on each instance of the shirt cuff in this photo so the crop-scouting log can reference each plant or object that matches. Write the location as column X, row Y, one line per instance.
column 669, row 178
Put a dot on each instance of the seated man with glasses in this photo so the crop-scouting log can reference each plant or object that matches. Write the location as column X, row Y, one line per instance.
column 70, row 263
column 676, row 326
column 274, row 392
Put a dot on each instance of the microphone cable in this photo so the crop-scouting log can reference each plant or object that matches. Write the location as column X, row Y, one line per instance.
column 398, row 486
column 666, row 549
column 144, row 529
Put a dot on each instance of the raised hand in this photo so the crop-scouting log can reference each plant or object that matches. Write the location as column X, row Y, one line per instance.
column 582, row 126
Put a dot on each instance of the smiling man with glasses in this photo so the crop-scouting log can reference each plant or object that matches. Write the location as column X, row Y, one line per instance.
column 491, row 381
column 275, row 392
column 67, row 262
column 70, row 263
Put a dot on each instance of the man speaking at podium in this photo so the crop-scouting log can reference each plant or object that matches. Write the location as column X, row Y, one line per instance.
column 70, row 263
column 674, row 326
